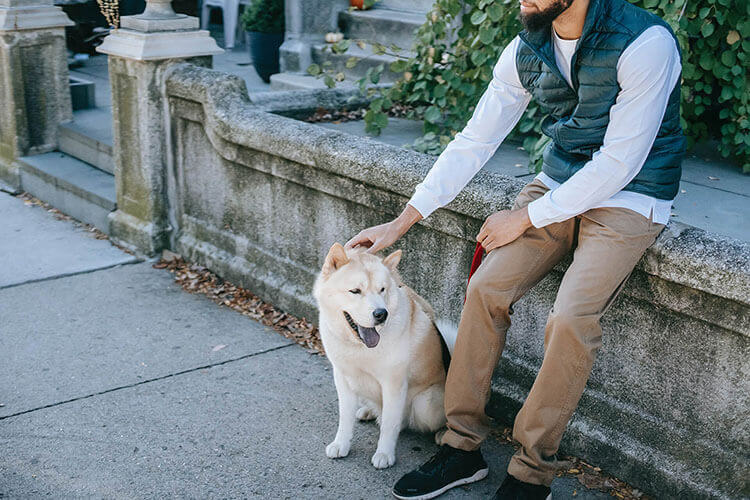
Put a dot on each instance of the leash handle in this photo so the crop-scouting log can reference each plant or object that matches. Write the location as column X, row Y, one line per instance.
column 475, row 261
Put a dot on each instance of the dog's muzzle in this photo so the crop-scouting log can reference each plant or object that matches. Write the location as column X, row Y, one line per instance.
column 369, row 336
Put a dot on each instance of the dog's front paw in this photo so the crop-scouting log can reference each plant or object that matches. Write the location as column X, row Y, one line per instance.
column 337, row 450
column 383, row 460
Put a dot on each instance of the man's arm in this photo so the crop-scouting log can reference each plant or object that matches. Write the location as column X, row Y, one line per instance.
column 495, row 115
column 647, row 71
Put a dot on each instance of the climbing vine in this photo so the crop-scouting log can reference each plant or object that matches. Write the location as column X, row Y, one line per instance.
column 450, row 65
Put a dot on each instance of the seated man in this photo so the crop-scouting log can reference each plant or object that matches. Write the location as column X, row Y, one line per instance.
column 606, row 74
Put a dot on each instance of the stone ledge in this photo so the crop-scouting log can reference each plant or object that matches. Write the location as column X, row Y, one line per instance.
column 682, row 254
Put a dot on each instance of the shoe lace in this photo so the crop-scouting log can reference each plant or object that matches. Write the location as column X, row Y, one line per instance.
column 438, row 460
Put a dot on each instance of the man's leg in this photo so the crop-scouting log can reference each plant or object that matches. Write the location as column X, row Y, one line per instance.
column 505, row 274
column 611, row 240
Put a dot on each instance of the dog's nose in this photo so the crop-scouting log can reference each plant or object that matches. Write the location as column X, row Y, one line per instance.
column 380, row 315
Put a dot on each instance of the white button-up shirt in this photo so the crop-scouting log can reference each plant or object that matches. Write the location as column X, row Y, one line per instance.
column 647, row 72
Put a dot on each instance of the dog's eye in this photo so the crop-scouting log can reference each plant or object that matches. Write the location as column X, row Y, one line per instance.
column 382, row 290
column 356, row 290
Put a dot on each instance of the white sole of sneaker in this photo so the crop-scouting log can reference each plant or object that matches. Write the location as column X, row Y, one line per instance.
column 478, row 476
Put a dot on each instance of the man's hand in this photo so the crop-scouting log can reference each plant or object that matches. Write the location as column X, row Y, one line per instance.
column 503, row 227
column 385, row 235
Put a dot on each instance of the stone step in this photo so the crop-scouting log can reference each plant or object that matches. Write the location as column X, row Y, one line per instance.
column 294, row 81
column 382, row 25
column 367, row 60
column 407, row 5
column 89, row 138
column 74, row 187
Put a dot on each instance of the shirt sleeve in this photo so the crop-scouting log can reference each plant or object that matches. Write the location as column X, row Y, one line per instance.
column 495, row 115
column 647, row 71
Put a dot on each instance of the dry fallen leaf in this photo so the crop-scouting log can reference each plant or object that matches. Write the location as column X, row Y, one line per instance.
column 218, row 347
column 712, row 178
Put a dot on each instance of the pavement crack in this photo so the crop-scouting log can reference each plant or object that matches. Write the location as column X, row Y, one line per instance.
column 74, row 273
column 148, row 381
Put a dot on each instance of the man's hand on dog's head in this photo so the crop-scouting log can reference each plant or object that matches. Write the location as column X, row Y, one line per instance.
column 379, row 237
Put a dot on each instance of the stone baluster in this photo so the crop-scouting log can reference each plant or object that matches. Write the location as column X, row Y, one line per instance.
column 34, row 84
column 139, row 53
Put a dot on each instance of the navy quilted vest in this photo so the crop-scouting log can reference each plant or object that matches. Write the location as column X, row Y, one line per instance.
column 577, row 117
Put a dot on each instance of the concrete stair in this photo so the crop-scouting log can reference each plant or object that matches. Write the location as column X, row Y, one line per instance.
column 89, row 138
column 406, row 5
column 390, row 22
column 382, row 25
column 74, row 187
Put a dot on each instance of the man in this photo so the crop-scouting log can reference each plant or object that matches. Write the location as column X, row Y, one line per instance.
column 607, row 75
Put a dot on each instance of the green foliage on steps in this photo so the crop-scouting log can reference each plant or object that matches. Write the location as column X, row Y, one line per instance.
column 460, row 41
column 265, row 16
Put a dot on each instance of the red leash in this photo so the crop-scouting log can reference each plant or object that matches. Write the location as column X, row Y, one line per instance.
column 475, row 261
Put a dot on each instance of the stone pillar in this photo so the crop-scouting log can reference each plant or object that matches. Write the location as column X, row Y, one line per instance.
column 139, row 53
column 34, row 85
column 306, row 22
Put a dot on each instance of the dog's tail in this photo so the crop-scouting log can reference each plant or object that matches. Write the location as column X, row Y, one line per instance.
column 448, row 333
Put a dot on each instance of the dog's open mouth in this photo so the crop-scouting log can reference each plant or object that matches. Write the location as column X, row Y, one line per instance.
column 368, row 335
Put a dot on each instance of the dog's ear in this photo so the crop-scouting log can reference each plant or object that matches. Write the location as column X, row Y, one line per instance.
column 392, row 260
column 335, row 259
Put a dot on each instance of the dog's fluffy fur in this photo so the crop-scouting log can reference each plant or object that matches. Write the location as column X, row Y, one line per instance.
column 400, row 381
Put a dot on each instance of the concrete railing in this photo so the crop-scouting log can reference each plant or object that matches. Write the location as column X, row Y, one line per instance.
column 259, row 198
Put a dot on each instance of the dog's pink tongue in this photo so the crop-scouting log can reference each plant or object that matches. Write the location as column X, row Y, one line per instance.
column 369, row 336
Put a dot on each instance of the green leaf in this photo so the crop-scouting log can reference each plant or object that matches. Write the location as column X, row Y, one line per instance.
column 351, row 62
column 478, row 17
column 328, row 80
column 478, row 57
column 399, row 66
column 495, row 12
column 432, row 114
column 707, row 29
column 313, row 69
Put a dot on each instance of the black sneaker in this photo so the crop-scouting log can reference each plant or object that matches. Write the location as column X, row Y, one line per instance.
column 515, row 489
column 449, row 467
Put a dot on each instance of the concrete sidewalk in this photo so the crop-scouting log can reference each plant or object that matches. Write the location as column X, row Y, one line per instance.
column 112, row 386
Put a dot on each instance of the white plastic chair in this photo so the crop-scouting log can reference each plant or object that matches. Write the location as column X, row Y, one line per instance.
column 230, row 14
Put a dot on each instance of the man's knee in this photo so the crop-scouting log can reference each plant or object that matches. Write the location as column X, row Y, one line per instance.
column 487, row 291
column 573, row 329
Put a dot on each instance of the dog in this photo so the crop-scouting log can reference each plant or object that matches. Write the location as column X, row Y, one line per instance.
column 389, row 359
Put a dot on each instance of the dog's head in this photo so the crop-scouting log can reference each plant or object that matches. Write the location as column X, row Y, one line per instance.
column 361, row 288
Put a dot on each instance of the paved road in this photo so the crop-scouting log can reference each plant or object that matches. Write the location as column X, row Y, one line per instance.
column 111, row 387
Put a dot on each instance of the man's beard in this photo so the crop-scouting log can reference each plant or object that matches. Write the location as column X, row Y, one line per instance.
column 543, row 19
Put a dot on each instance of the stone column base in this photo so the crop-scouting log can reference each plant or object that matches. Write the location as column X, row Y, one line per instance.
column 136, row 235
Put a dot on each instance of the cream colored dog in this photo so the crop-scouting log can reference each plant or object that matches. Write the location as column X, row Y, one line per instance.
column 386, row 352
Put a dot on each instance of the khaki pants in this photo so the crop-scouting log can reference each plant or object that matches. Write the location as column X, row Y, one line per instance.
column 608, row 242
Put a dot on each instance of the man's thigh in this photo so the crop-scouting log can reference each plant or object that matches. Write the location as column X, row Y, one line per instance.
column 610, row 242
column 518, row 265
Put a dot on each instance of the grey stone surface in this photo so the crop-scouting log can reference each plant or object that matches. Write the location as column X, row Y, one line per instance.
column 407, row 5
column 34, row 96
column 306, row 23
column 240, row 174
column 254, row 428
column 509, row 159
column 35, row 246
column 89, row 138
column 114, row 387
column 382, row 26
column 72, row 186
column 714, row 195
column 122, row 326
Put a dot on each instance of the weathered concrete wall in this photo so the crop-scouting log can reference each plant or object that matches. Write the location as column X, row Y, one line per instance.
column 34, row 87
column 259, row 198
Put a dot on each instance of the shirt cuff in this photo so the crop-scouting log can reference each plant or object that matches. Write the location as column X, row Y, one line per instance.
column 424, row 202
column 537, row 211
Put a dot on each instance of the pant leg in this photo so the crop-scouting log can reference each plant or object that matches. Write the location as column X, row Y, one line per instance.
column 505, row 274
column 610, row 242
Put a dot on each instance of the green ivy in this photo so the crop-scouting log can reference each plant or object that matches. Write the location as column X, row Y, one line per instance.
column 265, row 16
column 444, row 80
